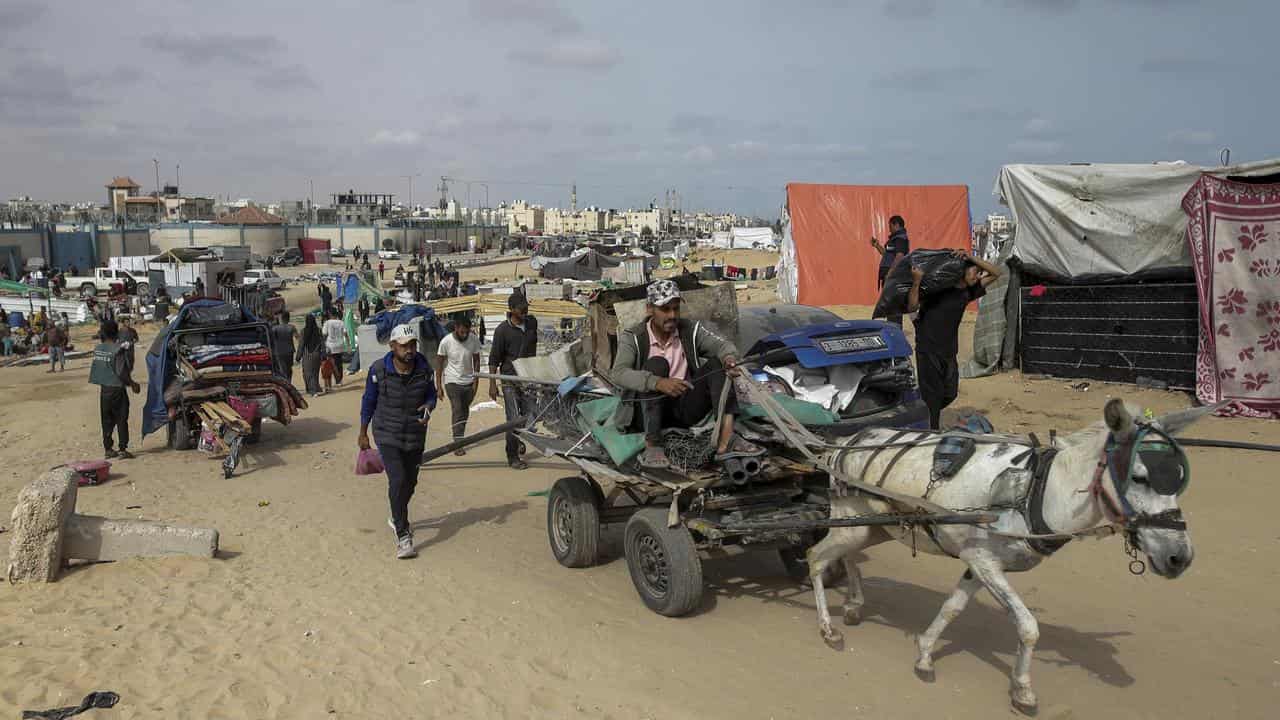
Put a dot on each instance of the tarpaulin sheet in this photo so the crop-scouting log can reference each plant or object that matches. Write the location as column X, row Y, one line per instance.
column 1234, row 237
column 827, row 258
column 160, row 370
column 1097, row 222
column 587, row 266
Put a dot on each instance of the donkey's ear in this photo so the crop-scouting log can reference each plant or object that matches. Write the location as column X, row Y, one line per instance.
column 1118, row 418
column 1179, row 420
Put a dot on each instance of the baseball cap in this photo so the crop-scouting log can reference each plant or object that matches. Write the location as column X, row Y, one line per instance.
column 661, row 292
column 402, row 334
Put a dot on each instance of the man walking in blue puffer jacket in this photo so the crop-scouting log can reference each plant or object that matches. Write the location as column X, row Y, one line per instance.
column 399, row 396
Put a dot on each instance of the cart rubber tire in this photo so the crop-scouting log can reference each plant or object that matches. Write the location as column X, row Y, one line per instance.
column 179, row 433
column 143, row 289
column 573, row 522
column 664, row 563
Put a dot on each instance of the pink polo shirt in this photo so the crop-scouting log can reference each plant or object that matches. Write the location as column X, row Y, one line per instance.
column 673, row 351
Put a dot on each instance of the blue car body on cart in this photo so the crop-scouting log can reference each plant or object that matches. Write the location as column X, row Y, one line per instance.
column 815, row 338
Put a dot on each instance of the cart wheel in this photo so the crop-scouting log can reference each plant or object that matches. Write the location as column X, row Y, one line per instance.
column 180, row 433
column 573, row 522
column 664, row 564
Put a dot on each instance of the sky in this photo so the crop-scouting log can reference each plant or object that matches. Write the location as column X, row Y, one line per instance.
column 725, row 102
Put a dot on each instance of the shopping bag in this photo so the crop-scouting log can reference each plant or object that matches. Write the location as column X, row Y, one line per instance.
column 369, row 462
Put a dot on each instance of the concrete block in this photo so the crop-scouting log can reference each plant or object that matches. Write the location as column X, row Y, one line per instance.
column 87, row 537
column 35, row 548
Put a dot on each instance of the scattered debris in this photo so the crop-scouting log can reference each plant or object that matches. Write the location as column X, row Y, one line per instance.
column 263, row 503
column 1080, row 386
column 100, row 699
column 1146, row 382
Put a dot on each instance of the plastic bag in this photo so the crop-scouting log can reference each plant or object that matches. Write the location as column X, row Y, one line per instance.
column 369, row 462
column 942, row 270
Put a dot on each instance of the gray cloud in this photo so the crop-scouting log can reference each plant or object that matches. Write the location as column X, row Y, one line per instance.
column 205, row 49
column 927, row 79
column 17, row 16
column 910, row 8
column 286, row 77
column 575, row 54
column 36, row 92
column 690, row 123
column 544, row 14
column 1048, row 6
column 604, row 129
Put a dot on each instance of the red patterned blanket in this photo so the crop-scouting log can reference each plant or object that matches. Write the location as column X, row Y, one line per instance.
column 1233, row 230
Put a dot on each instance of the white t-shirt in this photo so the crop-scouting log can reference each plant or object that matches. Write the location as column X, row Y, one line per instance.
column 335, row 336
column 460, row 366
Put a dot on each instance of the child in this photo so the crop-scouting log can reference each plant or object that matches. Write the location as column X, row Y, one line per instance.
column 327, row 370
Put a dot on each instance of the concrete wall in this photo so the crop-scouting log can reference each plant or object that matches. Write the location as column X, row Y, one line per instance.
column 406, row 239
column 262, row 240
column 29, row 243
column 117, row 243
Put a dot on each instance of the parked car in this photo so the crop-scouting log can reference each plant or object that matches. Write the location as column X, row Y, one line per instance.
column 103, row 278
column 337, row 252
column 812, row 341
column 287, row 257
column 389, row 254
column 266, row 277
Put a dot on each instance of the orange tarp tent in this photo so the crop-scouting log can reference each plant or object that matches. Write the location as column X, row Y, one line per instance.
column 832, row 225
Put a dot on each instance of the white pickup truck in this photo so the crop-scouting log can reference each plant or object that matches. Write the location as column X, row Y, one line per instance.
column 103, row 278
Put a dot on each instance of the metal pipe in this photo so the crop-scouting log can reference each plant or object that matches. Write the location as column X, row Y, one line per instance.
column 508, row 426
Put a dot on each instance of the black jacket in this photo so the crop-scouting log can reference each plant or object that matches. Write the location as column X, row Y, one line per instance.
column 391, row 401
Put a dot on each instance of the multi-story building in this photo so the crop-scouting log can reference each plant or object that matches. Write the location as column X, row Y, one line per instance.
column 362, row 208
column 295, row 212
column 656, row 219
column 998, row 224
column 524, row 217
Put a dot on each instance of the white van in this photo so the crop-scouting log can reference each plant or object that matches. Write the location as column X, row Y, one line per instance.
column 266, row 277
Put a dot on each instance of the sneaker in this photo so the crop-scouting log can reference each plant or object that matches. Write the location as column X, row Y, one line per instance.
column 124, row 454
column 111, row 454
column 460, row 452
column 404, row 547
column 654, row 458
column 518, row 464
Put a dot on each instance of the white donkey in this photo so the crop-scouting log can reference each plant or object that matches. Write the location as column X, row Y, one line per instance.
column 1124, row 475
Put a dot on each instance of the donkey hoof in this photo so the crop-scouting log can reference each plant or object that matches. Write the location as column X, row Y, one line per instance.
column 833, row 638
column 1024, row 701
column 925, row 672
column 853, row 615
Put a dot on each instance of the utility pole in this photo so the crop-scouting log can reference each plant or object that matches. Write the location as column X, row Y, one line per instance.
column 410, row 179
column 156, row 206
column 177, row 177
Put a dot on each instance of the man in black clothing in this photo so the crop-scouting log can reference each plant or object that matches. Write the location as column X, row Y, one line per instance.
column 897, row 246
column 283, row 346
column 937, row 330
column 112, row 372
column 515, row 338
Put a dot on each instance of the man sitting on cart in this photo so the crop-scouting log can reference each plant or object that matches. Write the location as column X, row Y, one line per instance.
column 676, row 370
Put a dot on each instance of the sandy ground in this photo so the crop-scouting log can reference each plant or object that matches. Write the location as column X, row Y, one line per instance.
column 307, row 614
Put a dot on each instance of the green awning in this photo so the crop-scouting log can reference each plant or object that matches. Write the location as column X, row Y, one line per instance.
column 24, row 290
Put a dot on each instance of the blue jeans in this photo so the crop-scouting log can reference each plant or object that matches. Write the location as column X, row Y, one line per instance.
column 57, row 356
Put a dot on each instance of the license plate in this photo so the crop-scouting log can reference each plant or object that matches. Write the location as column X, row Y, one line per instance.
column 851, row 344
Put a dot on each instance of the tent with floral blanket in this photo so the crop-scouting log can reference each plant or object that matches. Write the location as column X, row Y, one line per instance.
column 1233, row 230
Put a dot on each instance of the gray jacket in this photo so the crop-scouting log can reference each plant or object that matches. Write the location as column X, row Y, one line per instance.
column 700, row 344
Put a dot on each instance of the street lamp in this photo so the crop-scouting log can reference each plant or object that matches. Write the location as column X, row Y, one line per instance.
column 156, row 206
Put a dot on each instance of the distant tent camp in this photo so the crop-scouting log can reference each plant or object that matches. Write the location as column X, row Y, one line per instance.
column 827, row 258
column 589, row 265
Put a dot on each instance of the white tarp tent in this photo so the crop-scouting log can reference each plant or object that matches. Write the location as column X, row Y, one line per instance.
column 722, row 239
column 1088, row 221
column 761, row 237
